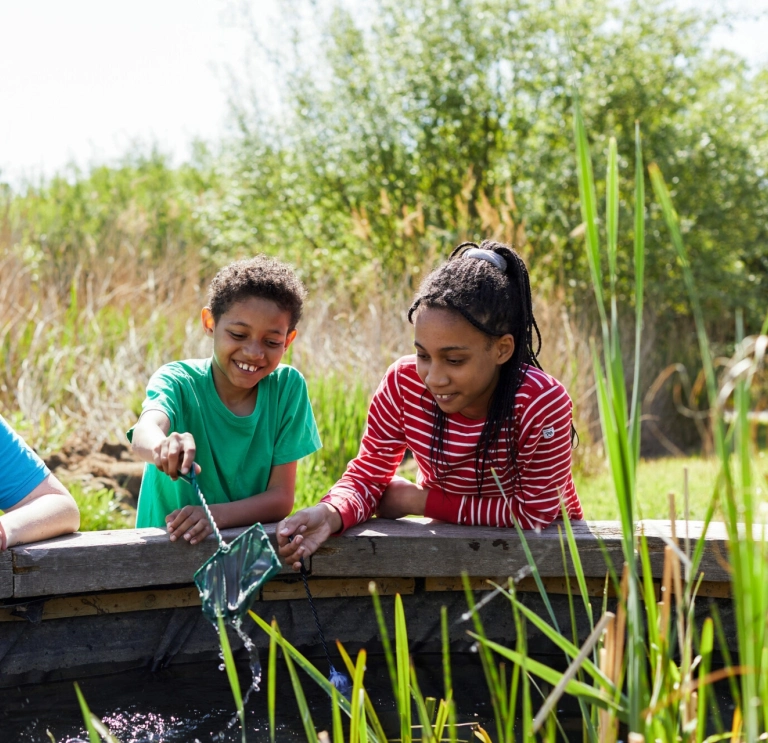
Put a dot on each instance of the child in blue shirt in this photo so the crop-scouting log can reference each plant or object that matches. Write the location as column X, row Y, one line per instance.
column 242, row 416
column 34, row 505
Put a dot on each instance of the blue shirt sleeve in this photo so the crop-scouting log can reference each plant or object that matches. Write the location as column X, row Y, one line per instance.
column 24, row 469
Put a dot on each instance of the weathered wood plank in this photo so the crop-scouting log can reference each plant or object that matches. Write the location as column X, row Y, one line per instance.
column 552, row 585
column 423, row 548
column 420, row 548
column 111, row 603
column 108, row 561
column 326, row 588
column 6, row 575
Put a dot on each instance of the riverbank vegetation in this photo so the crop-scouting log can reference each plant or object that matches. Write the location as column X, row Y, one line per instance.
column 399, row 135
column 435, row 123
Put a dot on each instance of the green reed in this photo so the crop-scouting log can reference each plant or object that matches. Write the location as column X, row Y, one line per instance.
column 647, row 666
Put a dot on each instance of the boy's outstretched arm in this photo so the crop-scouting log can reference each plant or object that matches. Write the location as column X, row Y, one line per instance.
column 301, row 534
column 172, row 454
column 273, row 504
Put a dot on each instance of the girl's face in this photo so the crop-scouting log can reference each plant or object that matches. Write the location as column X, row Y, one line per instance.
column 249, row 341
column 458, row 364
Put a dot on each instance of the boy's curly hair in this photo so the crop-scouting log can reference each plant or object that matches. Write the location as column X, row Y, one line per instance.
column 262, row 277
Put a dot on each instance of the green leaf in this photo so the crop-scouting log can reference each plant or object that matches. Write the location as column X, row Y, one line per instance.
column 272, row 681
column 384, row 634
column 425, row 719
column 357, row 699
column 229, row 664
column 551, row 676
column 88, row 717
column 370, row 712
column 403, row 671
column 301, row 701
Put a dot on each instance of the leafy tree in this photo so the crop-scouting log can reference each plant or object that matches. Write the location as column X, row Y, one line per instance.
column 424, row 122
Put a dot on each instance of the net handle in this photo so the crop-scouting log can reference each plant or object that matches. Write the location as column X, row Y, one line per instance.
column 191, row 478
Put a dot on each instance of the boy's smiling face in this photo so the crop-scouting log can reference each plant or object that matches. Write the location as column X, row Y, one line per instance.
column 249, row 341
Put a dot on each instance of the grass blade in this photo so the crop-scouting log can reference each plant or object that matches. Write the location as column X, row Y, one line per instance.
column 403, row 671
column 386, row 645
column 447, row 679
column 300, row 660
column 272, row 682
column 338, row 728
column 639, row 205
column 93, row 736
column 427, row 735
column 357, row 699
column 553, row 677
column 370, row 712
column 301, row 700
column 234, row 681
column 498, row 700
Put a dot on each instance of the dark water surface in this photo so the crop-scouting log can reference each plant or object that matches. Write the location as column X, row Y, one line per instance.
column 194, row 703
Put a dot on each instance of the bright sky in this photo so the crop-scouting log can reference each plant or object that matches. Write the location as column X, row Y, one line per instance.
column 81, row 80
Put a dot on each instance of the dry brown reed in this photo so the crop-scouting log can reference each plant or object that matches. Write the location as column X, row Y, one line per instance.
column 77, row 355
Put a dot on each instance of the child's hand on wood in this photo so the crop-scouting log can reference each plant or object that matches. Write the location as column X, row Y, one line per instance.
column 189, row 522
column 402, row 498
column 175, row 454
column 301, row 534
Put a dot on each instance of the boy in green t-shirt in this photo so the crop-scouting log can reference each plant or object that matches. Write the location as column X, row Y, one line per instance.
column 242, row 416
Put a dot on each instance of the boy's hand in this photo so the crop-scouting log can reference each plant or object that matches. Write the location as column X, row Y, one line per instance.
column 402, row 498
column 175, row 454
column 309, row 528
column 189, row 522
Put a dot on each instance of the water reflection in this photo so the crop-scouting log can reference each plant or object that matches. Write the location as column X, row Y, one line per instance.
column 194, row 703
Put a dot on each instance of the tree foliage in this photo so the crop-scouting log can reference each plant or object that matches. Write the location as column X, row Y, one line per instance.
column 424, row 122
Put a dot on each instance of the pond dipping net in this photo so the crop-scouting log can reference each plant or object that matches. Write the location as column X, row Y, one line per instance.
column 230, row 579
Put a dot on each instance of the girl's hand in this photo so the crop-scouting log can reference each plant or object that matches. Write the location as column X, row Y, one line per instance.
column 189, row 522
column 402, row 498
column 175, row 454
column 301, row 534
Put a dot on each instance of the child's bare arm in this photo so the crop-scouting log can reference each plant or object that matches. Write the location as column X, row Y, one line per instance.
column 47, row 511
column 273, row 504
column 172, row 454
column 402, row 498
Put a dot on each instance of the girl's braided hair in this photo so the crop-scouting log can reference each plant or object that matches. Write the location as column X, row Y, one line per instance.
column 496, row 302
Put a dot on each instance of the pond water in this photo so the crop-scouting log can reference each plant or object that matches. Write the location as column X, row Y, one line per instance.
column 194, row 703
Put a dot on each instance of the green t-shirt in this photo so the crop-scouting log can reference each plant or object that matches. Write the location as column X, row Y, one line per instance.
column 236, row 453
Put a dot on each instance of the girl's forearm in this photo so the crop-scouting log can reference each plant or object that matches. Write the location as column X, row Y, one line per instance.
column 268, row 507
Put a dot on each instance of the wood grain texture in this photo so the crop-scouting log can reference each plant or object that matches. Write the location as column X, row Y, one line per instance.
column 108, row 561
column 406, row 548
column 552, row 585
column 327, row 588
column 111, row 603
column 6, row 574
column 423, row 548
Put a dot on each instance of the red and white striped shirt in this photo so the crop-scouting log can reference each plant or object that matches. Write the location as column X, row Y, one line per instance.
column 400, row 418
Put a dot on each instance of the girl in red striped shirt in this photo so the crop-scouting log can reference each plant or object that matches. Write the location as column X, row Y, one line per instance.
column 472, row 400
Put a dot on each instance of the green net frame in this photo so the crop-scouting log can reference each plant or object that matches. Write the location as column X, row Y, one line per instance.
column 229, row 581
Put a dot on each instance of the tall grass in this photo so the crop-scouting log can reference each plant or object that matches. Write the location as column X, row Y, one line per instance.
column 647, row 665
column 76, row 355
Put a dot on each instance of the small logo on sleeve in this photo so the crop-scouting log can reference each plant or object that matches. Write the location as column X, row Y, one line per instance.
column 548, row 433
